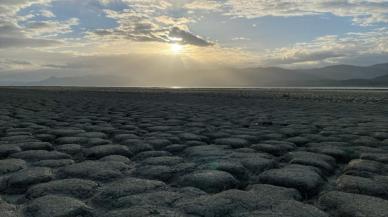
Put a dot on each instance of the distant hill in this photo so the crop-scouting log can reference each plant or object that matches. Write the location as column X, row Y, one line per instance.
column 345, row 72
column 381, row 81
column 336, row 75
column 91, row 80
column 273, row 76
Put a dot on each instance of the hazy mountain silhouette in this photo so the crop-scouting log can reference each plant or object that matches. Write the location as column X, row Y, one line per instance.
column 90, row 80
column 336, row 75
column 380, row 81
column 273, row 76
column 344, row 72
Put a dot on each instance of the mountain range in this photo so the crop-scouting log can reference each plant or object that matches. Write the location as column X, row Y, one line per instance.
column 336, row 75
column 331, row 76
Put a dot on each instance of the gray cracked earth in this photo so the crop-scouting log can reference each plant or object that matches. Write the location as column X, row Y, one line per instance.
column 212, row 153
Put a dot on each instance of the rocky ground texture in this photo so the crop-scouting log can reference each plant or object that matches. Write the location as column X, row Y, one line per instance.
column 78, row 152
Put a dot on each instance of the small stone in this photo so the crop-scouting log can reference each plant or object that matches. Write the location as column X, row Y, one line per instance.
column 144, row 211
column 136, row 146
column 211, row 181
column 303, row 178
column 11, row 165
column 53, row 163
column 69, row 148
column 20, row 181
column 35, row 146
column 163, row 173
column 57, row 206
column 159, row 143
column 275, row 192
column 118, row 158
column 92, row 135
column 376, row 186
column 123, row 137
column 45, row 137
column 257, row 165
column 381, row 157
column 125, row 187
column 346, row 204
column 95, row 170
column 364, row 168
column 288, row 208
column 8, row 149
column 321, row 161
column 231, row 166
column 233, row 142
column 163, row 160
column 298, row 140
column 66, row 132
column 175, row 148
column 105, row 150
column 227, row 203
column 96, row 141
column 380, row 135
column 158, row 198
column 71, row 187
column 71, row 140
column 35, row 155
column 190, row 136
column 148, row 154
column 8, row 210
column 367, row 141
column 341, row 154
column 275, row 149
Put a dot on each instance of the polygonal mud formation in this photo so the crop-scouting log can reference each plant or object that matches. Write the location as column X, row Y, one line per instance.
column 190, row 153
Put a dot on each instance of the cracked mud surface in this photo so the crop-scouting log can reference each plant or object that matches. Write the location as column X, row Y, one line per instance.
column 87, row 152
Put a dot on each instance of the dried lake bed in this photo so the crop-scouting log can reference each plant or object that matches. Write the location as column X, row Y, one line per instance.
column 132, row 152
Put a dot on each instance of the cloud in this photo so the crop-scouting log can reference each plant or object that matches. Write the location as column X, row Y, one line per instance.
column 146, row 33
column 188, row 38
column 46, row 13
column 332, row 49
column 148, row 23
column 363, row 12
column 15, row 64
column 124, row 23
column 136, row 69
column 9, row 8
column 241, row 39
column 207, row 5
column 12, row 35
column 285, row 56
column 180, row 22
column 8, row 42
column 9, row 29
column 49, row 27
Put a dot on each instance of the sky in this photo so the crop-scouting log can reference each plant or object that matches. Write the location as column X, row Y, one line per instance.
column 155, row 39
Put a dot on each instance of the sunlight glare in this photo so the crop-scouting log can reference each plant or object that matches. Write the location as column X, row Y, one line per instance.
column 176, row 48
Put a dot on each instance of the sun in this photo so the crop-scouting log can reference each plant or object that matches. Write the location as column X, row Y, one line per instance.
column 176, row 48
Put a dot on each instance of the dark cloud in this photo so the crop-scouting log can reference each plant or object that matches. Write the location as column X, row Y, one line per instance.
column 6, row 63
column 7, row 28
column 146, row 33
column 40, row 25
column 303, row 56
column 189, row 38
column 361, row 12
column 103, row 32
column 8, row 42
column 18, row 62
column 12, row 35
